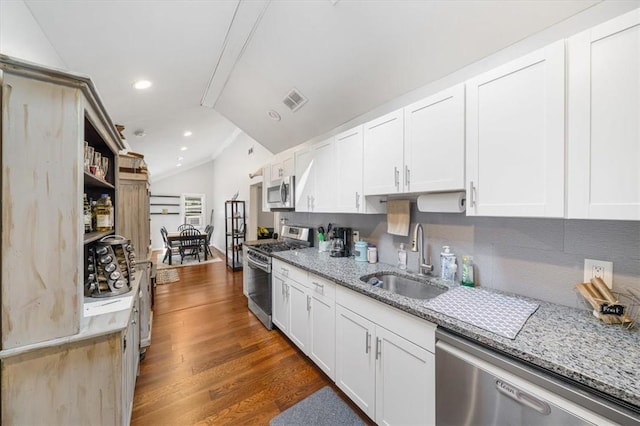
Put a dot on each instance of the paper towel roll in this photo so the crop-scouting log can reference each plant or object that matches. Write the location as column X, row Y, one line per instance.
column 444, row 202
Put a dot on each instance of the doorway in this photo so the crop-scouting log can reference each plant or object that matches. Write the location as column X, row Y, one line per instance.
column 259, row 219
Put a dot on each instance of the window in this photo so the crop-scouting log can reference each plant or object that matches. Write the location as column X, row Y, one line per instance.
column 193, row 209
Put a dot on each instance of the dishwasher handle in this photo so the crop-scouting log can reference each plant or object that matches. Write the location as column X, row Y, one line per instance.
column 522, row 397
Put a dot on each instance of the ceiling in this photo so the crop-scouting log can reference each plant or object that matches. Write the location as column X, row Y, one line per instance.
column 218, row 66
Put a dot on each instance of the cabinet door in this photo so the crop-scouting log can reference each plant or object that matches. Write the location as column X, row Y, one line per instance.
column 299, row 308
column 604, row 121
column 323, row 333
column 515, row 137
column 323, row 197
column 42, row 172
column 266, row 181
column 405, row 381
column 305, row 179
column 288, row 166
column 434, row 143
column 348, row 169
column 131, row 358
column 355, row 362
column 383, row 154
column 280, row 300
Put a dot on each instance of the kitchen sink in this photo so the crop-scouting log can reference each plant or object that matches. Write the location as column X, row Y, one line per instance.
column 404, row 286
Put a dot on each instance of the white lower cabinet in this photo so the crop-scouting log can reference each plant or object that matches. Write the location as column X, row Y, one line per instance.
column 304, row 310
column 405, row 381
column 388, row 371
column 299, row 308
column 381, row 358
column 280, row 302
column 355, row 362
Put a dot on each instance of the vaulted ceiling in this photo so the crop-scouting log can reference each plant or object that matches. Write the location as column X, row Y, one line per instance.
column 220, row 65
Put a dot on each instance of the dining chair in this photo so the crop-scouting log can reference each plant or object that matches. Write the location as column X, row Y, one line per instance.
column 209, row 231
column 168, row 249
column 190, row 246
column 185, row 226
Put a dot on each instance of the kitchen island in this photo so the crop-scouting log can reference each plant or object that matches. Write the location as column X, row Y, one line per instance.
column 566, row 341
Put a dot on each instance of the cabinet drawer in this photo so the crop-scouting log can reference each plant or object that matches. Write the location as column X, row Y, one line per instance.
column 322, row 286
column 288, row 271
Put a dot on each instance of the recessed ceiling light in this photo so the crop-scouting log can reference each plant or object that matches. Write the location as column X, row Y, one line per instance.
column 184, row 148
column 178, row 165
column 142, row 84
column 274, row 115
column 180, row 158
column 187, row 133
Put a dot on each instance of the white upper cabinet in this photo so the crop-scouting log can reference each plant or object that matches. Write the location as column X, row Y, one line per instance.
column 283, row 166
column 604, row 121
column 315, row 191
column 515, row 137
column 434, row 143
column 348, row 154
column 305, row 180
column 384, row 154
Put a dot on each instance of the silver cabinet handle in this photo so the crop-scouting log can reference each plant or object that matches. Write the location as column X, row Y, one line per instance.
column 472, row 194
column 378, row 348
column 367, row 343
column 523, row 397
column 319, row 287
column 357, row 201
column 288, row 287
column 407, row 176
column 282, row 289
column 396, row 174
column 308, row 303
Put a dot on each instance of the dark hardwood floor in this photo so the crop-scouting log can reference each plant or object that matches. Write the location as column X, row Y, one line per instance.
column 212, row 362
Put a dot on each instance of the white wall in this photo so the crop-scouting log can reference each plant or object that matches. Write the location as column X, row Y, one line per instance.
column 22, row 37
column 231, row 174
column 196, row 180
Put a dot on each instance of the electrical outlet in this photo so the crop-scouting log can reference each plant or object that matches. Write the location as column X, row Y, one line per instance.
column 598, row 269
column 356, row 236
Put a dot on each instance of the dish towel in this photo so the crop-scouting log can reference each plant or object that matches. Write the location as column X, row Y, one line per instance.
column 497, row 313
column 398, row 217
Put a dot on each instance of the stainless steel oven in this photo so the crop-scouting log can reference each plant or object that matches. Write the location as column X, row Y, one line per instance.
column 281, row 194
column 257, row 271
column 258, row 276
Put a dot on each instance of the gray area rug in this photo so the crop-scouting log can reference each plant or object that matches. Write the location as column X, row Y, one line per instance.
column 321, row 408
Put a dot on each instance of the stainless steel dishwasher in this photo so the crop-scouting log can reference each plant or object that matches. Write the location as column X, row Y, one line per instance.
column 477, row 386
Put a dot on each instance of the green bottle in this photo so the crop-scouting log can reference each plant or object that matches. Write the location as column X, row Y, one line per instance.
column 467, row 271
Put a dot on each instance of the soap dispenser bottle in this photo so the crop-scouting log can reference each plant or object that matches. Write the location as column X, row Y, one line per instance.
column 402, row 257
column 446, row 260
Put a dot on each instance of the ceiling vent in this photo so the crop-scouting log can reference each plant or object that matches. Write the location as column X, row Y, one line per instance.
column 294, row 100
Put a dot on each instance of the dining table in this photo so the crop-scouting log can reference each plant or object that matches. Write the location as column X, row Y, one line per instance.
column 176, row 237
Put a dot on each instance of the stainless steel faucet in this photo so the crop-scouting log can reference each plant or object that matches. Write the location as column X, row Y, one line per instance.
column 418, row 245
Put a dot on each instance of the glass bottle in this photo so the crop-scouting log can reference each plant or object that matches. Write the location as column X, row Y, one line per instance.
column 467, row 271
column 402, row 257
column 86, row 214
column 103, row 215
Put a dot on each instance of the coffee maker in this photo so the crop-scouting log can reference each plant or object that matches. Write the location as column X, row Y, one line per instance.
column 341, row 243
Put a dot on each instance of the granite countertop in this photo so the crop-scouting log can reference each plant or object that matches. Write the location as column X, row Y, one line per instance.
column 567, row 341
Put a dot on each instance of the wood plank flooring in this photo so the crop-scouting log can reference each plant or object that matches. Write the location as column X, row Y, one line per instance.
column 212, row 362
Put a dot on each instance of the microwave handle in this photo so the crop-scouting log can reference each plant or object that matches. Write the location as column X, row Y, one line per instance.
column 283, row 192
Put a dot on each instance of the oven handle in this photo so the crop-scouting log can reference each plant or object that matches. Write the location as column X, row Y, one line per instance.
column 254, row 263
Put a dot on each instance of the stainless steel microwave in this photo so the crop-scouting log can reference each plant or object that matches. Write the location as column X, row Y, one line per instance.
column 281, row 194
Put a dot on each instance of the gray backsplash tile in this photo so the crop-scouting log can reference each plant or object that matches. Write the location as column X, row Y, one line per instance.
column 540, row 258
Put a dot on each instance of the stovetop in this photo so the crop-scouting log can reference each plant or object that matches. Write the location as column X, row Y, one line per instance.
column 293, row 238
